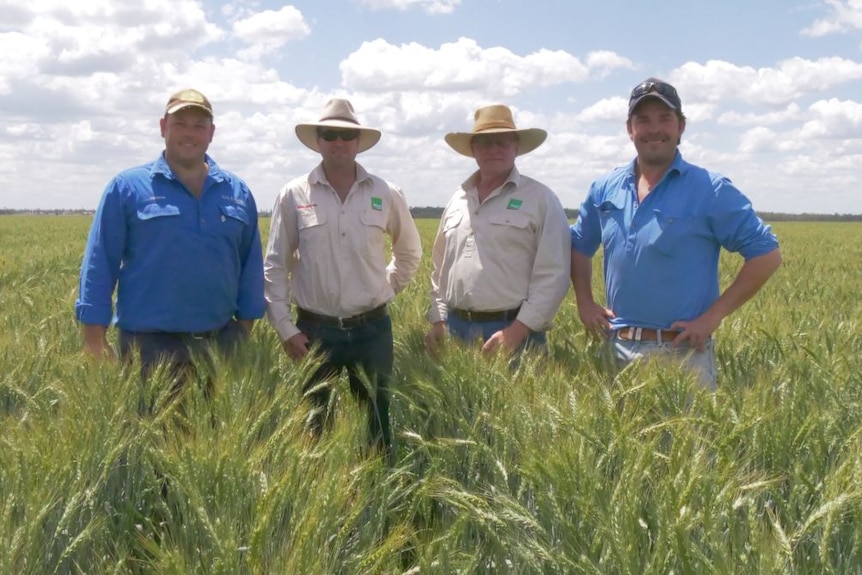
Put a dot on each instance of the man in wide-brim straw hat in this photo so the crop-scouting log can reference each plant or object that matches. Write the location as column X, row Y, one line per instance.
column 501, row 254
column 327, row 256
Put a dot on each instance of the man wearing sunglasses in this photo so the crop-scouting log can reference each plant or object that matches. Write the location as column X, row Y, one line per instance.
column 327, row 255
column 662, row 223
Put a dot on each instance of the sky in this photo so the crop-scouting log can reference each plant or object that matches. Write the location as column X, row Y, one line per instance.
column 772, row 89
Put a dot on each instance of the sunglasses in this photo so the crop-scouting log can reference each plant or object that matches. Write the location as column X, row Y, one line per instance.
column 332, row 135
column 488, row 141
column 660, row 88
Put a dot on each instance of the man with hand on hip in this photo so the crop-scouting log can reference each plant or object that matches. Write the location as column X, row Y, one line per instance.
column 662, row 223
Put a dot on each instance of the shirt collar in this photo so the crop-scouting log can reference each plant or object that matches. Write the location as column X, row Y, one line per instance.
column 513, row 178
column 161, row 167
column 318, row 176
column 677, row 166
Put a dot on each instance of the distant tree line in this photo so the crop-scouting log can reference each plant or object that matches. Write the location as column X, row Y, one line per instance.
column 435, row 213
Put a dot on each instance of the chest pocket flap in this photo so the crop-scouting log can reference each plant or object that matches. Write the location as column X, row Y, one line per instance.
column 309, row 218
column 511, row 218
column 153, row 210
column 371, row 217
column 234, row 212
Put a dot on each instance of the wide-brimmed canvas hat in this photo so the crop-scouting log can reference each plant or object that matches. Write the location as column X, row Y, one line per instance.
column 496, row 119
column 338, row 114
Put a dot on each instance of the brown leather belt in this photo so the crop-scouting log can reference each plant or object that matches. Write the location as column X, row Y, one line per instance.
column 646, row 334
column 342, row 322
column 470, row 315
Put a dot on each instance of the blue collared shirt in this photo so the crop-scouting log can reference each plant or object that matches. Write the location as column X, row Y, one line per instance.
column 179, row 263
column 661, row 257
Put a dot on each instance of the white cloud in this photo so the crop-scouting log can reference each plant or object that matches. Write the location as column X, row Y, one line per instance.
column 834, row 120
column 845, row 15
column 606, row 110
column 790, row 113
column 378, row 66
column 429, row 6
column 268, row 30
column 793, row 78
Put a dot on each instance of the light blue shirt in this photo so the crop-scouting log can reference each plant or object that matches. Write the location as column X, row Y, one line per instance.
column 661, row 257
column 179, row 263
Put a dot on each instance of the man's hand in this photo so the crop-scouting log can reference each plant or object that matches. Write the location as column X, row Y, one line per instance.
column 697, row 331
column 246, row 325
column 297, row 346
column 508, row 339
column 96, row 342
column 435, row 338
column 595, row 318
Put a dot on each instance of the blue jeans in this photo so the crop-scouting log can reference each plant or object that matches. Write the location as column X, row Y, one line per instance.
column 702, row 363
column 365, row 349
column 470, row 331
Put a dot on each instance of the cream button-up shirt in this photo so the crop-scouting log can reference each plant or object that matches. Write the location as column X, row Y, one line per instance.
column 330, row 257
column 511, row 250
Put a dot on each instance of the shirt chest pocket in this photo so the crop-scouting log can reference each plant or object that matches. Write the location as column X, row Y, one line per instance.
column 373, row 218
column 611, row 220
column 162, row 220
column 232, row 220
column 451, row 223
column 311, row 225
column 513, row 232
column 672, row 231
column 374, row 229
column 509, row 221
column 307, row 219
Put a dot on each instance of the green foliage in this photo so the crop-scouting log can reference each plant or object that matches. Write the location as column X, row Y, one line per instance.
column 553, row 467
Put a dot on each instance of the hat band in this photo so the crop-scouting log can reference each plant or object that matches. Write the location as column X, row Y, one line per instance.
column 329, row 119
column 495, row 126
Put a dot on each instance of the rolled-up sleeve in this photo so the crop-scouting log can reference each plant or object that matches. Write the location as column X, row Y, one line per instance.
column 586, row 232
column 737, row 226
column 102, row 258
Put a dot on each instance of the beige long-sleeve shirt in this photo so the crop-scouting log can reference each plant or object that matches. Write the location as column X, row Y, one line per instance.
column 511, row 250
column 330, row 257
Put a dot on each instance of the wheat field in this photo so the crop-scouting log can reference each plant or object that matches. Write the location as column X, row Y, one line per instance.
column 556, row 467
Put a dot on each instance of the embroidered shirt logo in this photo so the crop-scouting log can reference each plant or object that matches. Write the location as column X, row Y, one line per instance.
column 376, row 204
column 514, row 204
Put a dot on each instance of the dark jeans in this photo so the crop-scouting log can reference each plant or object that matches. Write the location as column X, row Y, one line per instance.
column 180, row 353
column 364, row 349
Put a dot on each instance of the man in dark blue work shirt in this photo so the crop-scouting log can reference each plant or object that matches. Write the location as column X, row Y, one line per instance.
column 179, row 239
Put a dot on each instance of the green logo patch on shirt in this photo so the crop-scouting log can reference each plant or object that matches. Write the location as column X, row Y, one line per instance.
column 514, row 204
column 377, row 204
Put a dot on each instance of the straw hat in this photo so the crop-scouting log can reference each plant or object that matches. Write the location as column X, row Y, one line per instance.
column 496, row 119
column 338, row 114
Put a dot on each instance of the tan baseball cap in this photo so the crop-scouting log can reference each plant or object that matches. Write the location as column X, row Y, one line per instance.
column 188, row 98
